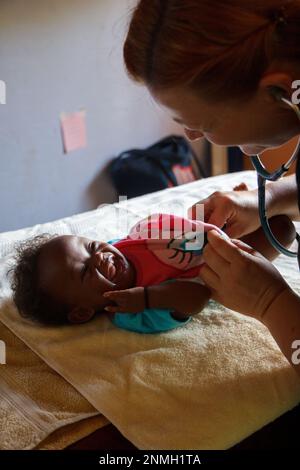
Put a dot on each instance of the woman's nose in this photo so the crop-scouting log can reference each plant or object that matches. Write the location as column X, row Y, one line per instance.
column 193, row 135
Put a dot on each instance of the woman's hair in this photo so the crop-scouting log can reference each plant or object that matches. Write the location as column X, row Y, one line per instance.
column 31, row 300
column 220, row 48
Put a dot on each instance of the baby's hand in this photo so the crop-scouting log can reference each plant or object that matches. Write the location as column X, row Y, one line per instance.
column 127, row 301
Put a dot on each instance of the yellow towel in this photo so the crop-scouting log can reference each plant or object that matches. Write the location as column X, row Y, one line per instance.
column 71, row 433
column 35, row 402
column 205, row 386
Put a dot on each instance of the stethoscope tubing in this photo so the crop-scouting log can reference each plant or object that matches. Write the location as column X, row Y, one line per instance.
column 262, row 176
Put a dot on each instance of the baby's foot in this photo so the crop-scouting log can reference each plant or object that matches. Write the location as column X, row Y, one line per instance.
column 241, row 187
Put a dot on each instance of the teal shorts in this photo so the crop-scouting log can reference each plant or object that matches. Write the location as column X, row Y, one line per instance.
column 151, row 320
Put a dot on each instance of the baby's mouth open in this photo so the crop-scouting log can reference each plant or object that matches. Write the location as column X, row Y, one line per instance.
column 108, row 267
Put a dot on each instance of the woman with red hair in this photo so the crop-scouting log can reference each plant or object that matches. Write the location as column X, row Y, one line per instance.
column 215, row 65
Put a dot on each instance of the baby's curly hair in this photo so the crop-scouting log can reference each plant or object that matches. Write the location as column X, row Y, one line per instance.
column 31, row 300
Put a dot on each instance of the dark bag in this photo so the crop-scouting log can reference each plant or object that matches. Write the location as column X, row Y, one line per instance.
column 166, row 164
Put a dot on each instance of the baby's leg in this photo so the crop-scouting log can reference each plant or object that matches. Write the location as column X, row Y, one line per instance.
column 282, row 228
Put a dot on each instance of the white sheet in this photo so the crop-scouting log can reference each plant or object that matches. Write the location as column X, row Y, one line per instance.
column 205, row 386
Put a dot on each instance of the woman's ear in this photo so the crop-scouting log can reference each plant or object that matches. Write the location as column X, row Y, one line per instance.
column 80, row 315
column 277, row 85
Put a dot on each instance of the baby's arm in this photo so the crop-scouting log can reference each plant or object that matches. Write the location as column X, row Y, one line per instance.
column 183, row 298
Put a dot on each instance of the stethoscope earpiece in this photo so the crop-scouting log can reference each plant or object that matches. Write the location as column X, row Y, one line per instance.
column 277, row 93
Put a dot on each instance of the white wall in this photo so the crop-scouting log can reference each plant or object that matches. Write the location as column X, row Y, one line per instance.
column 63, row 55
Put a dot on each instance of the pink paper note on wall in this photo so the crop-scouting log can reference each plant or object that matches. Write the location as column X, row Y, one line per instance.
column 73, row 126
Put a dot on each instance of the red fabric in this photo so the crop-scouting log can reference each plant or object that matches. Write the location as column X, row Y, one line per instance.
column 156, row 258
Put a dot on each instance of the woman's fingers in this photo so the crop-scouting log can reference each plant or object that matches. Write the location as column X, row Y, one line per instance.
column 214, row 215
column 196, row 211
column 248, row 249
column 243, row 246
column 215, row 262
column 217, row 209
column 210, row 278
column 193, row 211
column 219, row 216
column 224, row 247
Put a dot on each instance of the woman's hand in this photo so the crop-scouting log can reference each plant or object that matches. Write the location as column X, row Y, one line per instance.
column 239, row 277
column 237, row 209
column 127, row 301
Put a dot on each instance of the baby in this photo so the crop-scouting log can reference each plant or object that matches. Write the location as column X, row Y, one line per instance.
column 148, row 281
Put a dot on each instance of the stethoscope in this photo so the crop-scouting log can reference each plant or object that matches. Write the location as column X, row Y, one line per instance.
column 263, row 175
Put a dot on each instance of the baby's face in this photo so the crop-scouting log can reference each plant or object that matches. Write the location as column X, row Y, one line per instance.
column 77, row 271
